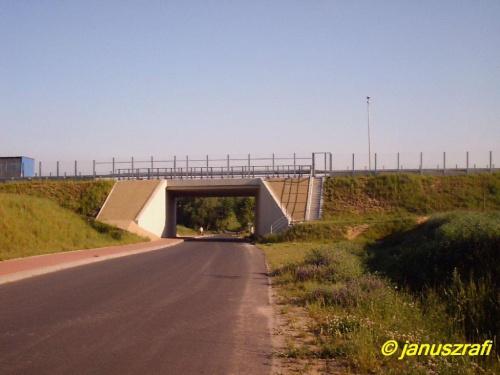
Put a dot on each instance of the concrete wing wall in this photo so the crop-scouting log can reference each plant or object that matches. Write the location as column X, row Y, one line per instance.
column 292, row 193
column 153, row 215
column 126, row 201
column 269, row 212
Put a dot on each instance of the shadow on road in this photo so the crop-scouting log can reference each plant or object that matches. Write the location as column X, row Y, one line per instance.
column 221, row 238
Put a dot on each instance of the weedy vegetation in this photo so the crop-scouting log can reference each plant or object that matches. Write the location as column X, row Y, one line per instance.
column 408, row 274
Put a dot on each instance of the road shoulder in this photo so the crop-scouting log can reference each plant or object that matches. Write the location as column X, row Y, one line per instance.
column 18, row 269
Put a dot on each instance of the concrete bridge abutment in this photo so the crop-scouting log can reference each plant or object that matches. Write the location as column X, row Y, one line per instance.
column 157, row 202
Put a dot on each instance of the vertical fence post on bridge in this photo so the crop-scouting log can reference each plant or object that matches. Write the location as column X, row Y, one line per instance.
column 248, row 165
column 187, row 166
column 227, row 165
column 132, row 165
column 444, row 163
column 273, row 165
column 113, row 167
column 207, row 168
column 295, row 165
column 175, row 167
column 331, row 165
column 313, row 165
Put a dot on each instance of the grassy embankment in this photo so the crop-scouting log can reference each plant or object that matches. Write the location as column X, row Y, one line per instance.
column 371, row 273
column 185, row 232
column 49, row 217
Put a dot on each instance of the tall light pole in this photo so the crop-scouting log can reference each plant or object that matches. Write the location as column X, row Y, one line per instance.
column 369, row 135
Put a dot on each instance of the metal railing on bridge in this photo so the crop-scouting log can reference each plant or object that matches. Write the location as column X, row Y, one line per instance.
column 214, row 172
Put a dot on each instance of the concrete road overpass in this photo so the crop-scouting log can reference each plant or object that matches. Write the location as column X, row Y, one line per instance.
column 148, row 207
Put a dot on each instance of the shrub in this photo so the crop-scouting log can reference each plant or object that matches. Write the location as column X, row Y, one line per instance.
column 327, row 264
column 457, row 255
column 360, row 291
column 307, row 232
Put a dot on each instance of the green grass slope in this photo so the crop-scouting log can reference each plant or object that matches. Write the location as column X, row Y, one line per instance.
column 84, row 198
column 414, row 194
column 33, row 226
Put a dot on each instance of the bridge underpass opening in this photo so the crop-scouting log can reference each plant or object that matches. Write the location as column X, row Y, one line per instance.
column 235, row 211
column 175, row 193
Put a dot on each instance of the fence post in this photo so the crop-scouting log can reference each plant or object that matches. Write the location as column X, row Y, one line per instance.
column 93, row 169
column 331, row 165
column 295, row 165
column 248, row 165
column 491, row 161
column 113, row 166
column 152, row 163
column 375, row 174
column 398, row 162
column 467, row 163
column 273, row 165
column 40, row 169
column 421, row 162
column 444, row 163
column 57, row 169
column 313, row 174
column 76, row 169
column 228, row 166
column 207, row 168
column 352, row 172
column 175, row 167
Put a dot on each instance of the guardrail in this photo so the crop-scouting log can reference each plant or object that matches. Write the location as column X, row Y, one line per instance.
column 213, row 172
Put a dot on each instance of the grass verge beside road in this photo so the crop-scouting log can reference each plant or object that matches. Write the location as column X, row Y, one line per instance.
column 34, row 226
column 340, row 300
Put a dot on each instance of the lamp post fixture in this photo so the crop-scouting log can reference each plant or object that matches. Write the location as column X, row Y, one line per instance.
column 369, row 135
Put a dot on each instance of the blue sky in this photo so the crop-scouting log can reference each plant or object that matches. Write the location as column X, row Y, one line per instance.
column 96, row 79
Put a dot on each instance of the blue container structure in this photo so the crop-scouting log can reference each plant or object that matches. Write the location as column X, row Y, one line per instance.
column 17, row 167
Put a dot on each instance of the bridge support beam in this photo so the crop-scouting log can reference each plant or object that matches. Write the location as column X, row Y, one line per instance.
column 171, row 218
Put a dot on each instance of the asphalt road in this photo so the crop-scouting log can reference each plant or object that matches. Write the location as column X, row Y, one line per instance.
column 201, row 307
